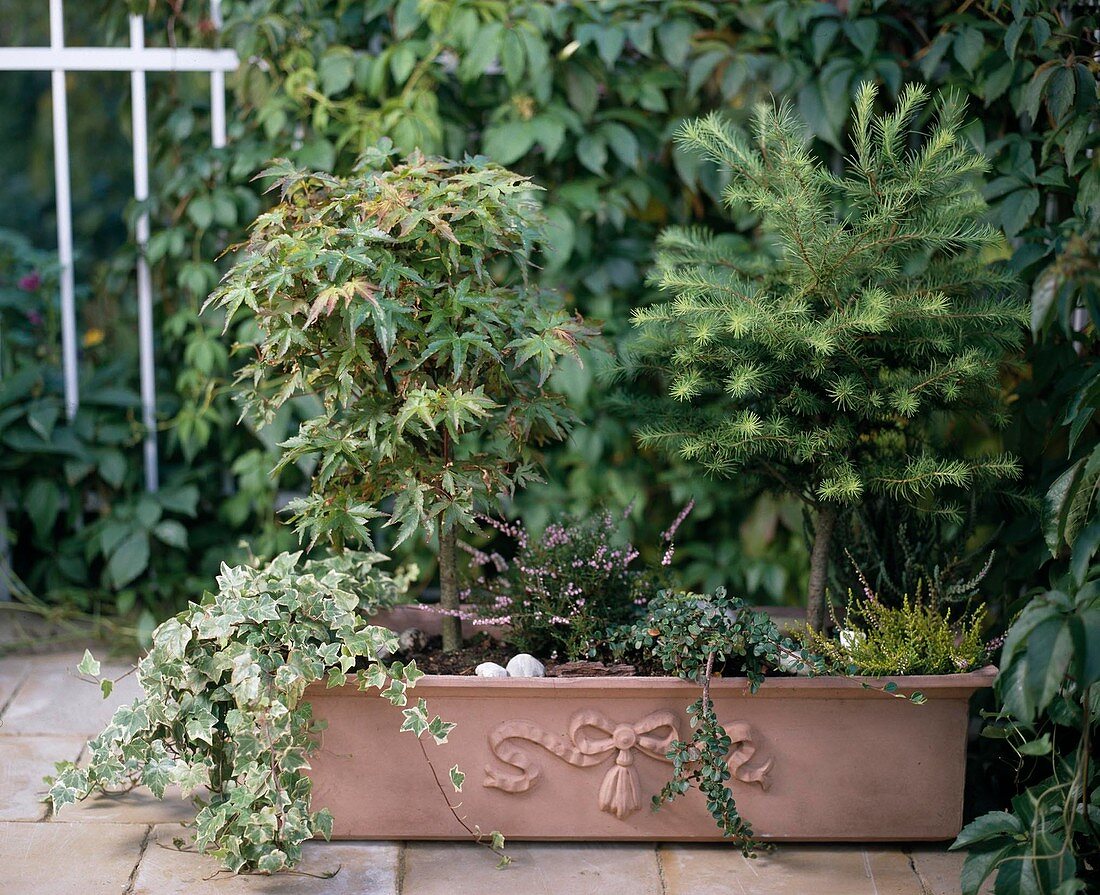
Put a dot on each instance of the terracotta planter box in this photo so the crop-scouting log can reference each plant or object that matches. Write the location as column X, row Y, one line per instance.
column 819, row 759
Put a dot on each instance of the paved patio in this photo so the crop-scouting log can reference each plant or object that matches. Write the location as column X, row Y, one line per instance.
column 124, row 844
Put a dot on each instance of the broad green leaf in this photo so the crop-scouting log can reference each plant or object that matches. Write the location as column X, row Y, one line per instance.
column 171, row 532
column 336, row 70
column 1056, row 505
column 993, row 826
column 507, row 143
column 674, row 38
column 43, row 504
column 968, row 47
column 201, row 211
column 129, row 559
column 592, row 152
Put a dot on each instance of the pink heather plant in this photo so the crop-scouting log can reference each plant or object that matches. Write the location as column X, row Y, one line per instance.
column 560, row 593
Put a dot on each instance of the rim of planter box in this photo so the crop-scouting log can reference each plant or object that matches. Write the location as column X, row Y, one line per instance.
column 833, row 686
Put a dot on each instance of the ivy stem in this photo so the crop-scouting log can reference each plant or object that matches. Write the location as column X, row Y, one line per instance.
column 475, row 833
column 706, row 681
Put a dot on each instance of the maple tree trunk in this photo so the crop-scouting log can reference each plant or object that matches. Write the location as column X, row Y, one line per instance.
column 824, row 525
column 448, row 588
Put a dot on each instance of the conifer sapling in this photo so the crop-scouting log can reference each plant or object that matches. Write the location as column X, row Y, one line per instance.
column 830, row 359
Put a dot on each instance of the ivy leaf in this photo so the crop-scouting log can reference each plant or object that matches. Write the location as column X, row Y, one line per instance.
column 416, row 718
column 457, row 778
column 172, row 637
column 157, row 774
column 395, row 693
column 88, row 665
column 130, row 719
column 440, row 730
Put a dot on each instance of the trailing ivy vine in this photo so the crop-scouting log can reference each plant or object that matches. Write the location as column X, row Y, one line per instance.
column 223, row 715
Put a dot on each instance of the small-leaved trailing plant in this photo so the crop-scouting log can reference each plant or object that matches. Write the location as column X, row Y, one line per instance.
column 402, row 297
column 561, row 591
column 694, row 636
column 915, row 637
column 826, row 361
column 223, row 708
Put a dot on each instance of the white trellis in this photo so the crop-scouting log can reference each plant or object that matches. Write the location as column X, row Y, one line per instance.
column 137, row 59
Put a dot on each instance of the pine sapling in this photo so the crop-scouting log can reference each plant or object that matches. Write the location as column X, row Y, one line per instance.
column 831, row 359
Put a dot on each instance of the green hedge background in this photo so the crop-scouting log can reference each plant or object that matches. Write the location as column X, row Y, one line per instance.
column 583, row 96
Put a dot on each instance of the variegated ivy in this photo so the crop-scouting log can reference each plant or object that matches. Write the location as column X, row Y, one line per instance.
column 401, row 297
column 223, row 705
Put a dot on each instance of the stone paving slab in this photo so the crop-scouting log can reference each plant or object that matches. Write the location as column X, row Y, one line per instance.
column 135, row 806
column 55, row 700
column 359, row 868
column 24, row 761
column 941, row 870
column 13, row 671
column 551, row 868
column 68, row 859
column 789, row 870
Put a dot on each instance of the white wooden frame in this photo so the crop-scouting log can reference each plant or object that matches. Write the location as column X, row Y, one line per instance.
column 138, row 60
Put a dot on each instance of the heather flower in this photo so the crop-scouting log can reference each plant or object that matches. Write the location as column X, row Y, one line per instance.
column 563, row 589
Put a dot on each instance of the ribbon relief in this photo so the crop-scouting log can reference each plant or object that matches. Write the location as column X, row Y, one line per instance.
column 592, row 739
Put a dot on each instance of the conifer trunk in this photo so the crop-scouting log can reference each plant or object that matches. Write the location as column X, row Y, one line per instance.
column 824, row 525
column 448, row 587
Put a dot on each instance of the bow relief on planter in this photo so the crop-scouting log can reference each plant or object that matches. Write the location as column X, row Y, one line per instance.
column 593, row 739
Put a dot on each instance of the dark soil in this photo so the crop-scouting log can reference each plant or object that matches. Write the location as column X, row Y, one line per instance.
column 483, row 648
column 475, row 650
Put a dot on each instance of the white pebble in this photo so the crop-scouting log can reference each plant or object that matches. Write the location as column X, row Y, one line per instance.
column 490, row 669
column 524, row 665
column 849, row 639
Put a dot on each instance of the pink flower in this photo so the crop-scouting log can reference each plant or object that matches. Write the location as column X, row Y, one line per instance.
column 670, row 533
column 31, row 281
